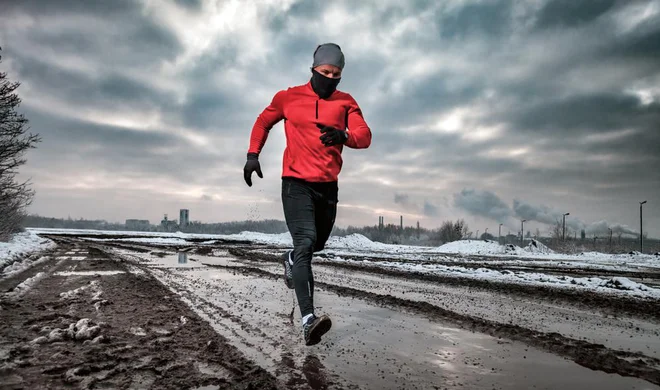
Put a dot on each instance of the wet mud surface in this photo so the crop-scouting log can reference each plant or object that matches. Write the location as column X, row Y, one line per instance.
column 112, row 329
column 125, row 315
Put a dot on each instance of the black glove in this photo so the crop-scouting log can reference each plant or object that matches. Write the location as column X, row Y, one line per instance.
column 251, row 165
column 332, row 136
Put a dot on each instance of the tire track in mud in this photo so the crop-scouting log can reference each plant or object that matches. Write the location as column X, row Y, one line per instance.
column 312, row 374
column 610, row 304
column 590, row 355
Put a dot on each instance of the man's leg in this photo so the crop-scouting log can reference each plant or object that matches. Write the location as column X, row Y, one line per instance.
column 298, row 204
column 324, row 215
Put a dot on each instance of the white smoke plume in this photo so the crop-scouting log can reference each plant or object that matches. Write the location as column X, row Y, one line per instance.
column 488, row 204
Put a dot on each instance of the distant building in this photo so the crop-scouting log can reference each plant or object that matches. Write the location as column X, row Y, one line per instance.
column 184, row 218
column 137, row 224
column 168, row 225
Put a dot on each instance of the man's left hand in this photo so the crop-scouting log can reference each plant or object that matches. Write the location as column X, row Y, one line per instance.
column 332, row 136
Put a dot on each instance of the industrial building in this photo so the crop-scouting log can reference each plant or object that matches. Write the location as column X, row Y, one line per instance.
column 184, row 218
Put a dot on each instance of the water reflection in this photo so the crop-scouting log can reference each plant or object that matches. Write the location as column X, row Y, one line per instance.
column 183, row 257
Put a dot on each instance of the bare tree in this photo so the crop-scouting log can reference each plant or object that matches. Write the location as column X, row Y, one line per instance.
column 556, row 230
column 453, row 231
column 14, row 196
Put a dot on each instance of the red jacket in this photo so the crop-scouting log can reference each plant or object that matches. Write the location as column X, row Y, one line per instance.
column 305, row 156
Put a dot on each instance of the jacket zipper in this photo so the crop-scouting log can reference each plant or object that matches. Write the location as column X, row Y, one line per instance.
column 317, row 108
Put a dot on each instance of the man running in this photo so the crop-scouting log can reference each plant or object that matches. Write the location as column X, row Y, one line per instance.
column 318, row 121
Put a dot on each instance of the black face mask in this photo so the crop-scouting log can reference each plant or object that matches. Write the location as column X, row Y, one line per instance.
column 323, row 86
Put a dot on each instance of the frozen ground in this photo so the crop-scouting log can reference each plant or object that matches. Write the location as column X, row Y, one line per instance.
column 219, row 316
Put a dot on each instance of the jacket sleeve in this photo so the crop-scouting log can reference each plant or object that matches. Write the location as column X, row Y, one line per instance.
column 265, row 121
column 359, row 133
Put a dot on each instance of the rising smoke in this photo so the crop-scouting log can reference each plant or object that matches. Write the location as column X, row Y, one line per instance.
column 488, row 204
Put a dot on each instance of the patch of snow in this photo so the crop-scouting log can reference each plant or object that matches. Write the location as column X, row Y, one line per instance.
column 282, row 239
column 138, row 331
column 538, row 247
column 473, row 247
column 84, row 329
column 20, row 266
column 72, row 293
column 183, row 320
column 27, row 284
column 134, row 270
column 622, row 286
column 21, row 245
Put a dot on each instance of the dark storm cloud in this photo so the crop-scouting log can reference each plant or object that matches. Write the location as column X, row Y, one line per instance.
column 586, row 114
column 482, row 203
column 561, row 73
column 74, row 7
column 73, row 146
column 645, row 46
column 401, row 199
column 190, row 4
column 569, row 13
column 430, row 210
column 80, row 90
column 490, row 18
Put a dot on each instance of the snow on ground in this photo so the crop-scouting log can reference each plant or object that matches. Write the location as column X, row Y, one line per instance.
column 20, row 245
column 359, row 245
column 26, row 285
column 616, row 285
column 20, row 266
column 488, row 247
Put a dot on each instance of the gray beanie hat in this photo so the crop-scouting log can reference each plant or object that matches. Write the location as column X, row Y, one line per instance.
column 328, row 54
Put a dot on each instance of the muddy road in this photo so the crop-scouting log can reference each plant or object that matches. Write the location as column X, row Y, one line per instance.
column 219, row 316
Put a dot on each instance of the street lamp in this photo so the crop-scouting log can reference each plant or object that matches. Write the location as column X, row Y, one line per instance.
column 563, row 229
column 499, row 234
column 522, row 230
column 641, row 232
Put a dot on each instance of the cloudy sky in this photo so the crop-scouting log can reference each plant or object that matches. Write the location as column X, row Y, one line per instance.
column 490, row 111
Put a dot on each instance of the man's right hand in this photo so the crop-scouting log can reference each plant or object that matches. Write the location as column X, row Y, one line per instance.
column 252, row 165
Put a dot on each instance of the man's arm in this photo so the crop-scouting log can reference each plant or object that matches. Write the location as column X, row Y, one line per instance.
column 359, row 133
column 265, row 121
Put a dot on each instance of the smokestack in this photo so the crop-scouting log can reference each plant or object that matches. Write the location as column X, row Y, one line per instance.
column 402, row 222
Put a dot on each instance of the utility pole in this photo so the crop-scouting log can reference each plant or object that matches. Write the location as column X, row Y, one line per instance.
column 499, row 234
column 563, row 228
column 522, row 232
column 641, row 232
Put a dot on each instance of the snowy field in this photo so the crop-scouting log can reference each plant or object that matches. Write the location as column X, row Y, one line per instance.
column 456, row 259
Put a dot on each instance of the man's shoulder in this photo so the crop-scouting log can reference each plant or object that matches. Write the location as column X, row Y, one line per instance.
column 341, row 95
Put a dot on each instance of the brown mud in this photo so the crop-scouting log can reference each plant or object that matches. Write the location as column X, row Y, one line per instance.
column 74, row 329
